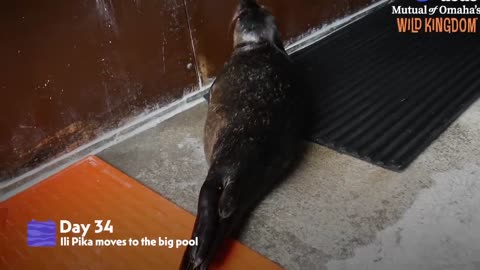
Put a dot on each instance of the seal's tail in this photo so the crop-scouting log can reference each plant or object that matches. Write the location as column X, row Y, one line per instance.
column 214, row 223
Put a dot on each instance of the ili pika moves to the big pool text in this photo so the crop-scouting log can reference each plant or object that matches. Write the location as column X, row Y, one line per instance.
column 77, row 236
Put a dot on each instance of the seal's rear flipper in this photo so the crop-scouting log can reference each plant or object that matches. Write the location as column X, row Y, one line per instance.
column 210, row 228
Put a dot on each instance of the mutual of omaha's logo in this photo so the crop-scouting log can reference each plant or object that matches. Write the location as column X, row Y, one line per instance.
column 41, row 234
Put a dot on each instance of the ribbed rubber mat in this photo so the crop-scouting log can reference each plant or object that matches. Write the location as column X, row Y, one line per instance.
column 384, row 96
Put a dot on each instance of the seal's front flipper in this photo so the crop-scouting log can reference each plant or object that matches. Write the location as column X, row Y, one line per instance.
column 207, row 95
column 209, row 92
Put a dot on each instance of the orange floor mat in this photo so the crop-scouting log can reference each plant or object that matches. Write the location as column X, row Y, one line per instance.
column 93, row 190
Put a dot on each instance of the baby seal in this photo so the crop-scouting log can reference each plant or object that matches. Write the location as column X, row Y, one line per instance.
column 252, row 131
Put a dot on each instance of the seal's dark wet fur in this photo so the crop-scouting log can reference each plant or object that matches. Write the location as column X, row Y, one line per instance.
column 252, row 133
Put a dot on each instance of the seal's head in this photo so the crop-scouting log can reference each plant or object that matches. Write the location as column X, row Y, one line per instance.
column 253, row 24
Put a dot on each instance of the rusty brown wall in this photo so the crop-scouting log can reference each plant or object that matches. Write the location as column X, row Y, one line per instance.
column 72, row 69
column 210, row 21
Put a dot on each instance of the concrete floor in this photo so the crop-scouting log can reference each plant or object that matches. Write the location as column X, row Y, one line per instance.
column 335, row 211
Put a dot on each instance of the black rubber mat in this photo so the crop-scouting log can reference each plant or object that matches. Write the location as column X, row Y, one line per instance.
column 385, row 96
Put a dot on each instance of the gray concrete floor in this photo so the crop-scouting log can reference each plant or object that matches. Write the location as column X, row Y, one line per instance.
column 335, row 211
